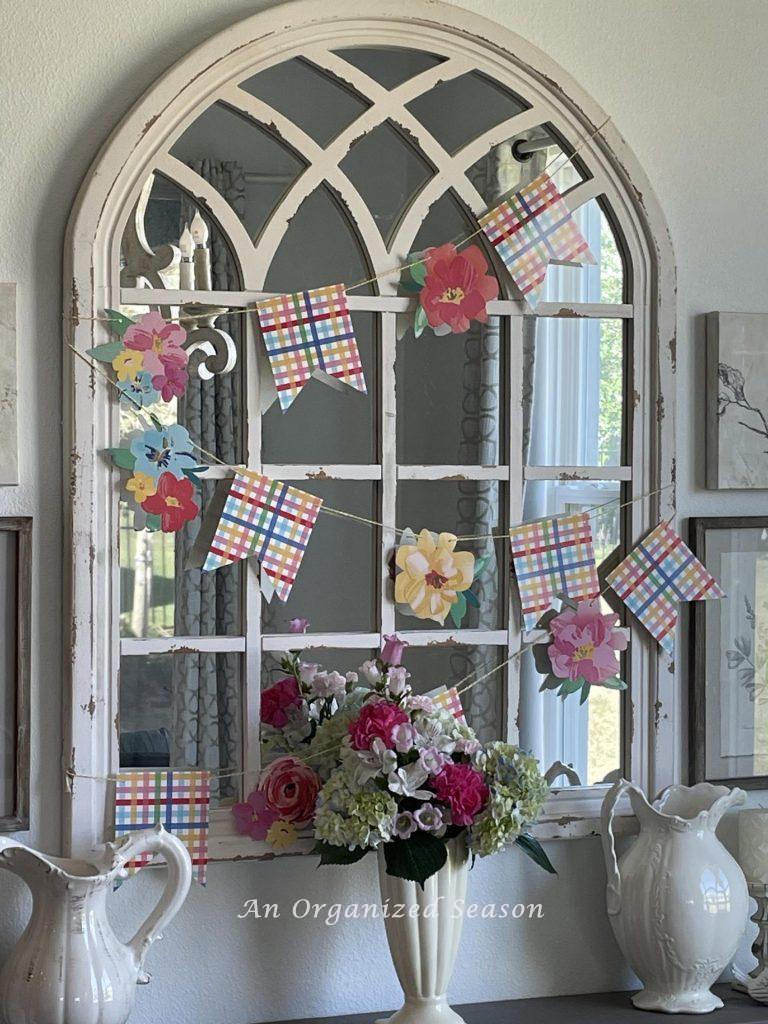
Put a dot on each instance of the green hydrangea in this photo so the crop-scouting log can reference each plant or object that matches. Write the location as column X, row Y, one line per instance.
column 351, row 815
column 323, row 752
column 517, row 794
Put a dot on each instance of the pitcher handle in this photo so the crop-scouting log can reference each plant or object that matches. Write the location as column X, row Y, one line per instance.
column 176, row 856
column 613, row 890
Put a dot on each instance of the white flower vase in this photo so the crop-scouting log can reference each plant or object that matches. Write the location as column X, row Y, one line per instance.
column 424, row 938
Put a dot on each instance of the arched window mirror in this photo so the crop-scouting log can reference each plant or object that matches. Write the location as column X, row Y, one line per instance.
column 310, row 145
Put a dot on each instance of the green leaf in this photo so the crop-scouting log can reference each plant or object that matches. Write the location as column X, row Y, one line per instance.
column 330, row 854
column 614, row 683
column 156, row 422
column 480, row 564
column 410, row 286
column 420, row 321
column 123, row 458
column 106, row 353
column 571, row 686
column 584, row 693
column 415, row 859
column 154, row 524
column 532, row 848
column 550, row 682
column 459, row 610
column 193, row 473
column 472, row 598
column 419, row 274
column 118, row 321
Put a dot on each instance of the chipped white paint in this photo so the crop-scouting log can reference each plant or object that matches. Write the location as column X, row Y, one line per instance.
column 106, row 200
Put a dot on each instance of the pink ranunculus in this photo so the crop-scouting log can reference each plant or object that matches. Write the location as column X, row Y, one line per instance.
column 392, row 651
column 277, row 699
column 585, row 643
column 463, row 788
column 160, row 342
column 254, row 818
column 457, row 287
column 377, row 721
column 290, row 788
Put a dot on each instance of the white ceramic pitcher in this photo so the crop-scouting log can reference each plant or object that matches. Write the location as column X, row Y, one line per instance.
column 69, row 967
column 677, row 899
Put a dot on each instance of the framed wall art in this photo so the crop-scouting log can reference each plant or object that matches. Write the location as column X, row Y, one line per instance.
column 729, row 655
column 15, row 652
column 737, row 400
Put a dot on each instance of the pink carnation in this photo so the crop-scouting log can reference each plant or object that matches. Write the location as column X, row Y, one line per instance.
column 585, row 644
column 463, row 788
column 377, row 721
column 277, row 699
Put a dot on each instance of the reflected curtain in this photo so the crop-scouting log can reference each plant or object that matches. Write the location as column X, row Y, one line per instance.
column 207, row 687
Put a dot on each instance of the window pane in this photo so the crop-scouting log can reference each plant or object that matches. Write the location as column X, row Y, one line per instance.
column 467, row 507
column 503, row 168
column 450, row 403
column 313, row 99
column 578, row 395
column 431, row 667
column 336, row 588
column 326, row 425
column 389, row 66
column 553, row 497
column 182, row 711
column 603, row 282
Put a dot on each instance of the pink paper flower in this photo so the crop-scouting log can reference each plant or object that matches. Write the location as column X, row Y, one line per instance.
column 392, row 651
column 254, row 818
column 456, row 287
column 463, row 788
column 377, row 721
column 172, row 382
column 160, row 342
column 277, row 699
column 290, row 788
column 585, row 644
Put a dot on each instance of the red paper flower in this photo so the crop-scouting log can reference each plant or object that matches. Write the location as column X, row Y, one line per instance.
column 456, row 288
column 172, row 502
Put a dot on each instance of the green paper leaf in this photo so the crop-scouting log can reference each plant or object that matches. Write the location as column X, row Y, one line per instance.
column 155, row 422
column 532, row 848
column 410, row 286
column 419, row 274
column 193, row 473
column 123, row 458
column 569, row 686
column 106, row 353
column 550, row 682
column 415, row 859
column 420, row 321
column 614, row 683
column 118, row 321
column 471, row 598
column 480, row 564
column 584, row 693
column 459, row 610
column 330, row 854
column 154, row 524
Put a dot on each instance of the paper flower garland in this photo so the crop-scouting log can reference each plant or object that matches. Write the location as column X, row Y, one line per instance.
column 583, row 650
column 149, row 359
column 453, row 289
column 163, row 477
column 283, row 800
column 435, row 579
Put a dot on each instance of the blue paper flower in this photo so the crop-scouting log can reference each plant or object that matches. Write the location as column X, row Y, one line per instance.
column 139, row 391
column 163, row 451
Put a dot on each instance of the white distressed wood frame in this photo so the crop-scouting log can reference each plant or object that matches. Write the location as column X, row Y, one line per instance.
column 140, row 145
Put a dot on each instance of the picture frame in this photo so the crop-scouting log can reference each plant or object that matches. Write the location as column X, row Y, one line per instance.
column 737, row 401
column 15, row 671
column 728, row 664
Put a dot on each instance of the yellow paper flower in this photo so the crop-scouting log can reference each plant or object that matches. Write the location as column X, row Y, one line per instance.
column 282, row 834
column 128, row 363
column 433, row 575
column 141, row 486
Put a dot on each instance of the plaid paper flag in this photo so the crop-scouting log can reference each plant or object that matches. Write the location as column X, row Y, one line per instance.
column 308, row 333
column 552, row 557
column 268, row 520
column 449, row 699
column 657, row 574
column 177, row 800
column 530, row 230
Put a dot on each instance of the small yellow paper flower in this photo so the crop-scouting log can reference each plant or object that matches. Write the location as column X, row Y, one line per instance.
column 433, row 575
column 141, row 486
column 127, row 364
column 282, row 834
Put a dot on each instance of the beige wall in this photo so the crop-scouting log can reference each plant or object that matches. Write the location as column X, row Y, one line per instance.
column 684, row 82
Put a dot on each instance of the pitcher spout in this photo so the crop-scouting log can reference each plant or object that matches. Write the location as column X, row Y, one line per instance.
column 702, row 805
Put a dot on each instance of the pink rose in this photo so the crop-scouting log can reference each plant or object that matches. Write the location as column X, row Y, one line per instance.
column 392, row 651
column 290, row 788
column 463, row 788
column 254, row 818
column 377, row 721
column 585, row 644
column 277, row 699
column 160, row 342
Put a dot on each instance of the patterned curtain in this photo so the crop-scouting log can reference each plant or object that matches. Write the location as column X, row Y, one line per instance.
column 207, row 687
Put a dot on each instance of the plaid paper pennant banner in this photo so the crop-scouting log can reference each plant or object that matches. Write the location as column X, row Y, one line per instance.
column 656, row 575
column 178, row 800
column 553, row 557
column 310, row 333
column 530, row 230
column 449, row 699
column 268, row 520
